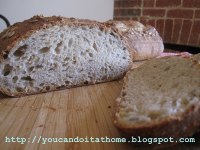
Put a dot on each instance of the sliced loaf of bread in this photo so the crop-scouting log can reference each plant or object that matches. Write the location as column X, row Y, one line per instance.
column 161, row 98
column 49, row 53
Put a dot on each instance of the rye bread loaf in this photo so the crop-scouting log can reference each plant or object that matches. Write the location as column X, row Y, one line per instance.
column 143, row 41
column 161, row 98
column 49, row 53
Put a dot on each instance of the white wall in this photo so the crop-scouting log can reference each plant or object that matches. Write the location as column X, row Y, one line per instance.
column 19, row 10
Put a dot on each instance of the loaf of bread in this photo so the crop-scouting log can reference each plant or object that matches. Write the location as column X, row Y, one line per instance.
column 144, row 41
column 161, row 98
column 49, row 53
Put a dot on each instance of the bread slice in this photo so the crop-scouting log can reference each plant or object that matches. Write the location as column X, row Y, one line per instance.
column 49, row 53
column 161, row 98
column 137, row 64
column 143, row 41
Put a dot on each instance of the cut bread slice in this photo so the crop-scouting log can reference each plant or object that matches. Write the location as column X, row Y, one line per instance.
column 49, row 53
column 161, row 98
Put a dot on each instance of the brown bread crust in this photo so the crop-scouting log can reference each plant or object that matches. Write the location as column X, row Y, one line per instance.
column 143, row 41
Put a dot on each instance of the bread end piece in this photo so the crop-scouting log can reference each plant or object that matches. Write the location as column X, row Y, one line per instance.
column 161, row 98
column 144, row 41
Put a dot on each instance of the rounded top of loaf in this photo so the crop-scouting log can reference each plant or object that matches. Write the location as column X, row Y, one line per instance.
column 143, row 40
column 21, row 30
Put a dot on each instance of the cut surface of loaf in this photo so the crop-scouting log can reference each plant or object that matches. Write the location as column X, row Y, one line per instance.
column 143, row 41
column 49, row 53
column 161, row 98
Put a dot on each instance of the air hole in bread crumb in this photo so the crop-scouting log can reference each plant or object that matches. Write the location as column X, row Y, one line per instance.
column 44, row 50
column 64, row 65
column 66, row 58
column 123, row 93
column 99, row 33
column 110, row 67
column 41, row 84
column 70, row 42
column 62, row 36
column 80, row 70
column 112, row 34
column 58, row 48
column 7, row 69
column 5, row 56
column 90, row 54
column 60, row 87
column 51, row 69
column 15, row 78
column 31, row 83
column 104, row 77
column 27, row 78
column 84, row 28
column 95, row 46
column 44, row 35
column 47, row 88
column 20, row 51
column 19, row 89
column 74, row 62
column 111, row 42
column 86, row 83
column 67, row 82
column 30, row 69
column 39, row 66
column 86, row 40
column 82, row 53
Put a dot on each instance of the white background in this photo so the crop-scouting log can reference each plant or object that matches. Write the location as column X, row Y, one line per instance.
column 19, row 10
